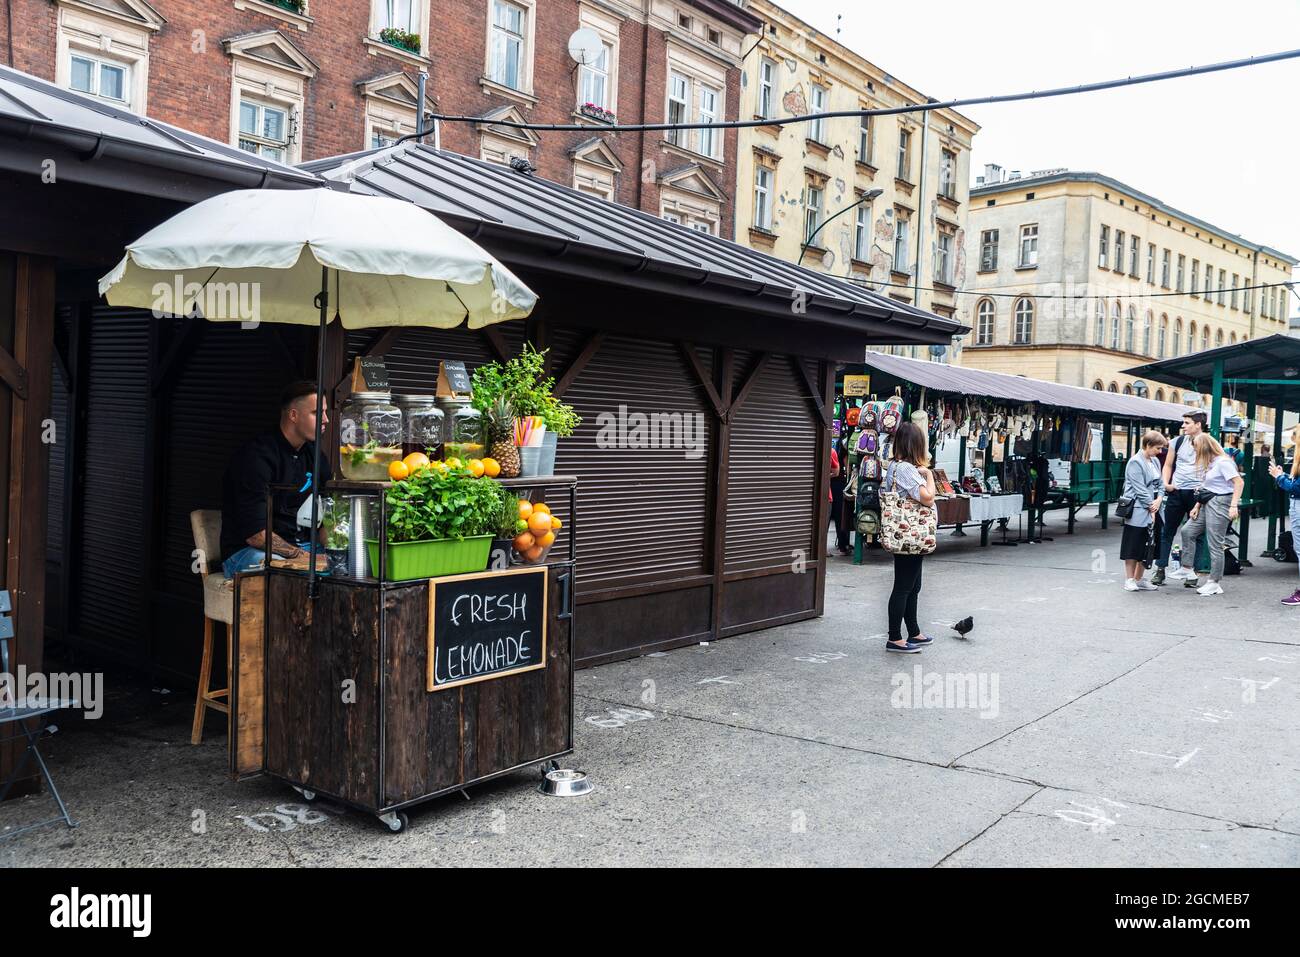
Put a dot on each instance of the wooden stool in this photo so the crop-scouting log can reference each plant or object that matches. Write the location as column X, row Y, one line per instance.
column 218, row 605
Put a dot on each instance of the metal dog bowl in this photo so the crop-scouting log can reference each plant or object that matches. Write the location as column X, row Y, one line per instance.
column 564, row 783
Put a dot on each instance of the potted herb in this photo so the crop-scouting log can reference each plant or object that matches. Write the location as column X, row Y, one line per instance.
column 508, row 526
column 403, row 39
column 440, row 522
column 523, row 382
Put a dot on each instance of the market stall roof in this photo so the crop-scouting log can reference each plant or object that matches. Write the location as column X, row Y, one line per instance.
column 94, row 143
column 978, row 383
column 1274, row 359
column 552, row 227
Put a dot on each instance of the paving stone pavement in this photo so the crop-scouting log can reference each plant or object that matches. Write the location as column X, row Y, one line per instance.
column 1078, row 725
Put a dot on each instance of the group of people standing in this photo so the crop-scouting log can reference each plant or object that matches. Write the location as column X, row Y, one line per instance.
column 1193, row 484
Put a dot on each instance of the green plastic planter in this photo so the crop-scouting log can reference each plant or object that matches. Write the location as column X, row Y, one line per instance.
column 405, row 561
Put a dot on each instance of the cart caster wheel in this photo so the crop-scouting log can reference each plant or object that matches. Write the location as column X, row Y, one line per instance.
column 395, row 821
column 307, row 795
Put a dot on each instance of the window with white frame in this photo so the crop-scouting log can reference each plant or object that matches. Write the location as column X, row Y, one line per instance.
column 1235, row 281
column 812, row 215
column 379, row 141
column 1130, row 328
column 948, row 174
column 671, row 217
column 1134, row 255
column 1247, row 300
column 1191, row 338
column 1024, row 321
column 397, row 15
column 865, row 138
column 1103, row 248
column 989, row 250
column 763, row 198
column 508, row 46
column 1151, row 263
column 1164, row 269
column 1119, row 250
column 1176, row 344
column 1195, row 288
column 1223, row 281
column 679, row 88
column 1099, row 326
column 1209, row 284
column 1147, row 322
column 766, row 88
column 1116, row 312
column 263, row 129
column 817, row 104
column 1205, row 338
column 1162, row 340
column 710, row 140
column 984, row 323
column 702, row 227
column 902, row 227
column 862, row 232
column 100, row 78
column 943, row 258
column 905, row 155
column 593, row 79
column 1029, row 244
column 1180, row 276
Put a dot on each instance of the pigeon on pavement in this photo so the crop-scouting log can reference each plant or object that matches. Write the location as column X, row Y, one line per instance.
column 964, row 627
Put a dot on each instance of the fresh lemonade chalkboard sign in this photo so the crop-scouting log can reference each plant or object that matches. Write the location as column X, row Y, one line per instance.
column 486, row 625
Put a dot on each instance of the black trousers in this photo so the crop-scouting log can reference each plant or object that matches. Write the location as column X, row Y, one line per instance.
column 902, row 600
column 839, row 518
column 1178, row 504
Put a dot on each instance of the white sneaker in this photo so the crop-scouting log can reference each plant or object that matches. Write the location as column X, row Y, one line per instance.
column 1181, row 575
column 1211, row 587
column 1130, row 585
column 1144, row 585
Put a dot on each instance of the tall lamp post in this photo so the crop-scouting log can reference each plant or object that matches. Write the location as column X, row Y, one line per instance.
column 866, row 198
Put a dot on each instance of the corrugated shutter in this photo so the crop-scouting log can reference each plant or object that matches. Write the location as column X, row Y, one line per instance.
column 642, row 512
column 226, row 393
column 57, row 470
column 111, row 599
column 413, row 359
column 771, row 483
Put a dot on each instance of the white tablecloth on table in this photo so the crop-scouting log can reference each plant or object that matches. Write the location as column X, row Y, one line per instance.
column 985, row 508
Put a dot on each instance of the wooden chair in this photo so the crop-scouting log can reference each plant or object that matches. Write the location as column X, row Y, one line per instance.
column 218, row 605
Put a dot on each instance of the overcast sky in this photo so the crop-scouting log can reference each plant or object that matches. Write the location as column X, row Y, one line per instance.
column 1222, row 146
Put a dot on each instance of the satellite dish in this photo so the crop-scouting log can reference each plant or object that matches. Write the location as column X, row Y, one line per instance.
column 585, row 46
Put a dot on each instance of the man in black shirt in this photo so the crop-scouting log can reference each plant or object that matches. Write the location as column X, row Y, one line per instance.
column 282, row 456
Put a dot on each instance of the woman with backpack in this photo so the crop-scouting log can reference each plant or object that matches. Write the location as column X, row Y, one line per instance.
column 909, row 477
column 1290, row 484
column 1145, row 488
column 1216, row 507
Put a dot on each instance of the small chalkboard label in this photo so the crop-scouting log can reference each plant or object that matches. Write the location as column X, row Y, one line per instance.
column 370, row 374
column 453, row 379
column 486, row 625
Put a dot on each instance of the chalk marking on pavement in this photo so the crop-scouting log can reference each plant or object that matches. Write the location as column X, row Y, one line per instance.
column 720, row 680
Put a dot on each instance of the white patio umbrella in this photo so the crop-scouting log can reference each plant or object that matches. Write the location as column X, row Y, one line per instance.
column 287, row 256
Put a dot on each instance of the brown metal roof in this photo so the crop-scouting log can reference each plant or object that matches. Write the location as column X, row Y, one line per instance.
column 978, row 383
column 568, row 231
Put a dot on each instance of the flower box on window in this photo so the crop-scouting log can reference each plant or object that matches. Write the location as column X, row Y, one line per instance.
column 397, row 37
column 596, row 112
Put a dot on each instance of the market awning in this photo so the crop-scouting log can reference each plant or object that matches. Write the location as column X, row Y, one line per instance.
column 978, row 383
column 547, row 226
column 50, row 131
column 1271, row 363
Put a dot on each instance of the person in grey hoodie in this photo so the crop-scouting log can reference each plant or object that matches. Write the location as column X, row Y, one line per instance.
column 1142, row 483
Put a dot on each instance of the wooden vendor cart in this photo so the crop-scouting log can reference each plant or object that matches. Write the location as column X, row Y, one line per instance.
column 365, row 696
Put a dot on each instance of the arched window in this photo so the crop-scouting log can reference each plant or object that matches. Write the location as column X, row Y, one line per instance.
column 1205, row 337
column 1024, row 320
column 1114, row 325
column 1160, row 395
column 1218, row 338
column 1146, row 333
column 1099, row 336
column 984, row 323
column 1112, row 387
column 1191, row 337
column 1162, row 337
column 1234, row 339
column 1129, row 327
column 1098, row 385
column 1128, row 390
column 1178, row 336
column 1173, row 397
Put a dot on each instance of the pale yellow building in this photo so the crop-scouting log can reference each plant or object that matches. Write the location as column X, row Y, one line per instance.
column 1085, row 276
column 792, row 179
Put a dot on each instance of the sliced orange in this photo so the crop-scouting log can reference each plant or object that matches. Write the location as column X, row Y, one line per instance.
column 398, row 470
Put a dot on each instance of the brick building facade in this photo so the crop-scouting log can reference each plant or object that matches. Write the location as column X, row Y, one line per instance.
column 302, row 79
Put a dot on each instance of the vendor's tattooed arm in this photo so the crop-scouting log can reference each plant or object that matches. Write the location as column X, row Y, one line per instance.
column 278, row 545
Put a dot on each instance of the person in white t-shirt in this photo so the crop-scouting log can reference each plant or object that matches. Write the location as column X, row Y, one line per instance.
column 1180, row 482
column 1221, row 481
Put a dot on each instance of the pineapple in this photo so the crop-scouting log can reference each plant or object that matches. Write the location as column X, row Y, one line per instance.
column 501, row 427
